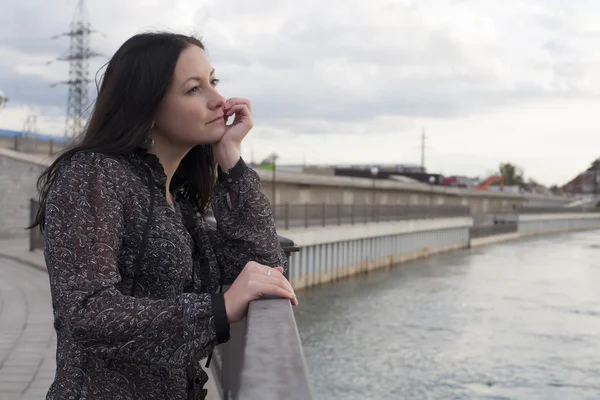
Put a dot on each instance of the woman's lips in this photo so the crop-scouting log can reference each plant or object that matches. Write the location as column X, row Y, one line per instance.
column 222, row 118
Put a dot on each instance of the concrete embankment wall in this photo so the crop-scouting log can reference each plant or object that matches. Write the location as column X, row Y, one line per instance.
column 331, row 253
column 18, row 180
column 544, row 224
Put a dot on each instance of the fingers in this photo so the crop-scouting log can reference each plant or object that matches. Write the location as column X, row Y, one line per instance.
column 274, row 282
column 263, row 289
column 288, row 286
column 276, row 278
column 239, row 109
column 279, row 281
column 238, row 100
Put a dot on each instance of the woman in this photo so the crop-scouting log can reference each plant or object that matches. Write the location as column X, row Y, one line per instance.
column 134, row 269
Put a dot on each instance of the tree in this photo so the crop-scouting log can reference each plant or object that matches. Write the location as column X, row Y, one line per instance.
column 512, row 174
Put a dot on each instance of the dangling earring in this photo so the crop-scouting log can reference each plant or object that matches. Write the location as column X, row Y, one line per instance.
column 149, row 142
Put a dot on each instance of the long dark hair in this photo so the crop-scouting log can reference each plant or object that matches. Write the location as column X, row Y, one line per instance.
column 135, row 81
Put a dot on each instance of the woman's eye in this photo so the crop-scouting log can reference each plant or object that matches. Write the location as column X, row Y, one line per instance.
column 215, row 82
column 194, row 89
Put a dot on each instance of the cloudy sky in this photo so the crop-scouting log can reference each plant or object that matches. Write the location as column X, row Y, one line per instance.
column 341, row 81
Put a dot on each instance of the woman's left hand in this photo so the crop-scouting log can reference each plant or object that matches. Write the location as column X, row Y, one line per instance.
column 226, row 150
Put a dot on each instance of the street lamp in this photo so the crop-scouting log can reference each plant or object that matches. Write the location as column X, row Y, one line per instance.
column 274, row 158
column 374, row 173
column 431, row 182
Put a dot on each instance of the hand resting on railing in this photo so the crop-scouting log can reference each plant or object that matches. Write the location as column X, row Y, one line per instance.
column 254, row 282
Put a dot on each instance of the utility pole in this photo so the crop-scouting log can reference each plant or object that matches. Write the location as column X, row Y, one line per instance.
column 78, row 57
column 274, row 158
column 423, row 137
column 423, row 147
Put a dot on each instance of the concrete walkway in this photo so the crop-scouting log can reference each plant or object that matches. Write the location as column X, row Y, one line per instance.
column 27, row 337
column 18, row 250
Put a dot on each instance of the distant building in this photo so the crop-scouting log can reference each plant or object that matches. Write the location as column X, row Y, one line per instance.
column 410, row 169
column 588, row 182
column 414, row 173
column 460, row 181
column 408, row 173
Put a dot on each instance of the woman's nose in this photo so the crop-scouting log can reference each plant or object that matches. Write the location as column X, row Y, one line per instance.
column 217, row 102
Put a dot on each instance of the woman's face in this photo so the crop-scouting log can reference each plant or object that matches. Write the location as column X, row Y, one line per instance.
column 191, row 113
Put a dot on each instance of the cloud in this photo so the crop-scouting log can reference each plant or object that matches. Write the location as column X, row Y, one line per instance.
column 343, row 60
column 363, row 60
column 313, row 68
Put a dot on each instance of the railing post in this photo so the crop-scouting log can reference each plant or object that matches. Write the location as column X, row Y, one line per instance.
column 306, row 214
column 287, row 216
column 288, row 247
column 373, row 212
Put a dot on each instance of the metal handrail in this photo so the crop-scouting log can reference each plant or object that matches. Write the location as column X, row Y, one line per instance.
column 290, row 216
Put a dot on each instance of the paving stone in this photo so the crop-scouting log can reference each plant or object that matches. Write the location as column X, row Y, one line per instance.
column 27, row 337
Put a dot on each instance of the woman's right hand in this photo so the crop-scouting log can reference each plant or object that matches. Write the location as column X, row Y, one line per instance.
column 252, row 284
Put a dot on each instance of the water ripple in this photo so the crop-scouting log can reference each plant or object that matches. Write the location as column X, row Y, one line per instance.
column 519, row 320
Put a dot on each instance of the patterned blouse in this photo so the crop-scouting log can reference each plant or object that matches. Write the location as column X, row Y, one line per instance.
column 118, row 346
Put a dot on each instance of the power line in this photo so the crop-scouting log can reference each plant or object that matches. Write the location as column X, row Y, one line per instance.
column 423, row 147
column 78, row 58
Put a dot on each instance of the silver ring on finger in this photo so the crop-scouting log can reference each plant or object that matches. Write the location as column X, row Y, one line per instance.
column 269, row 272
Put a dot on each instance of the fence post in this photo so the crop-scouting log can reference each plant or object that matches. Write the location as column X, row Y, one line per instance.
column 306, row 214
column 288, row 247
column 287, row 216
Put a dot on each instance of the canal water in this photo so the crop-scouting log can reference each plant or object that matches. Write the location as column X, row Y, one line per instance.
column 519, row 320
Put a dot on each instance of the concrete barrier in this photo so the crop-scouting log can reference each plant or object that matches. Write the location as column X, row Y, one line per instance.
column 332, row 253
column 503, row 237
column 541, row 224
